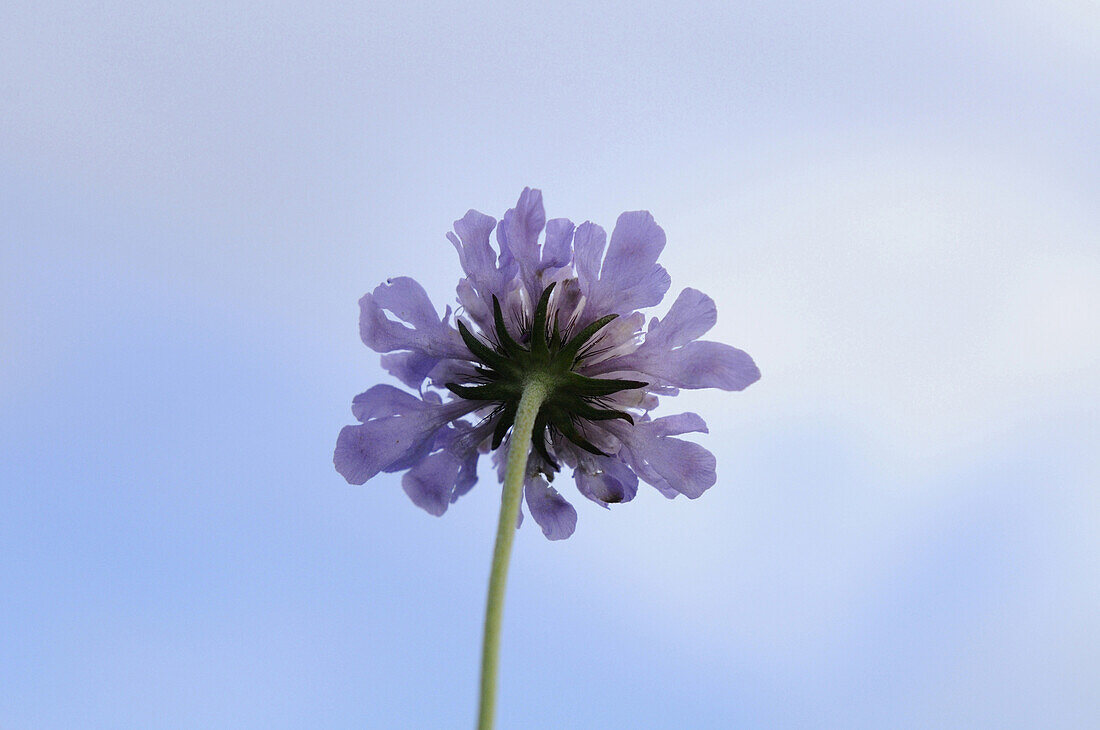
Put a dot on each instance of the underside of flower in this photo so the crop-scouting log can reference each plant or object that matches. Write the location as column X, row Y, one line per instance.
column 563, row 312
column 553, row 357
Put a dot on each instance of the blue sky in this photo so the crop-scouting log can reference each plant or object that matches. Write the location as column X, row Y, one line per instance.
column 894, row 208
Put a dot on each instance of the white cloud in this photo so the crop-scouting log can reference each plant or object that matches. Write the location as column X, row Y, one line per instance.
column 932, row 297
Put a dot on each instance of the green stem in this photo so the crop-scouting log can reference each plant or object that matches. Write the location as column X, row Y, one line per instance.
column 534, row 393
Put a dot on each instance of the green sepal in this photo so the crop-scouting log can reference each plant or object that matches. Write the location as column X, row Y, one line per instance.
column 509, row 345
column 538, row 437
column 573, row 347
column 586, row 411
column 489, row 391
column 507, row 418
column 596, row 387
column 538, row 327
column 481, row 351
column 569, row 431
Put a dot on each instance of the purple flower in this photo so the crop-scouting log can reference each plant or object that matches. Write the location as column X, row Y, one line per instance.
column 565, row 310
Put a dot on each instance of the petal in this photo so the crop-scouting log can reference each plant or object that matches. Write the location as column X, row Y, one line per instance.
column 685, row 466
column 631, row 278
column 474, row 305
column 384, row 400
column 410, row 367
column 463, row 444
column 477, row 257
column 379, row 332
column 452, row 371
column 429, row 340
column 430, row 484
column 704, row 364
column 554, row 515
column 616, row 340
column 699, row 364
column 518, row 234
column 365, row 449
column 558, row 248
column 614, row 482
column 398, row 431
column 673, row 357
column 408, row 301
column 670, row 464
column 588, row 245
column 596, row 434
column 691, row 316
column 636, row 244
column 467, row 475
column 486, row 276
column 567, row 299
column 676, row 424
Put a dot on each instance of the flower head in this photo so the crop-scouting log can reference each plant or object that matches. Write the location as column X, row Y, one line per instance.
column 563, row 312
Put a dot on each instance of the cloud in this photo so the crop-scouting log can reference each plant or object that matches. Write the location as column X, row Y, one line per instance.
column 932, row 296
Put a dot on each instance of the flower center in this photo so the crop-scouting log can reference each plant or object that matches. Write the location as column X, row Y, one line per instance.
column 506, row 366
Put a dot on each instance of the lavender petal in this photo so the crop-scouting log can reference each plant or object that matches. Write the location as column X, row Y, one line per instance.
column 557, row 249
column 365, row 449
column 670, row 464
column 477, row 257
column 704, row 364
column 631, row 278
column 518, row 235
column 410, row 367
column 615, row 482
column 588, row 244
column 430, row 484
column 691, row 316
column 407, row 300
column 384, row 400
column 554, row 515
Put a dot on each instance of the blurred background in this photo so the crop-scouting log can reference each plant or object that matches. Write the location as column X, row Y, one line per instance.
column 895, row 207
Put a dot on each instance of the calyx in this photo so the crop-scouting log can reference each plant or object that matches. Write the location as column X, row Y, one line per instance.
column 507, row 365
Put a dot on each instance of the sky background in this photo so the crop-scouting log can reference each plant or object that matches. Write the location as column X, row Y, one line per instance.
column 896, row 207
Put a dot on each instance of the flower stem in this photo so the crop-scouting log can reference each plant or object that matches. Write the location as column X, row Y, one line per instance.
column 534, row 393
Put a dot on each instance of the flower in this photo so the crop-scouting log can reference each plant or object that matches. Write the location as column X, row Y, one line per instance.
column 568, row 313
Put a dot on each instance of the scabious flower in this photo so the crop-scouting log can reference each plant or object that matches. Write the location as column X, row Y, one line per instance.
column 563, row 311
